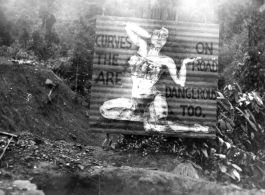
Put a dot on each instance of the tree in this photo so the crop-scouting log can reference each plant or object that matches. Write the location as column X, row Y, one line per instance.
column 24, row 37
column 246, row 47
column 5, row 35
column 79, row 71
column 242, row 43
column 38, row 45
column 46, row 11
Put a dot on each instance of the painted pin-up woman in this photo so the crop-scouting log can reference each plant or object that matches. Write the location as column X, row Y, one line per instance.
column 147, row 103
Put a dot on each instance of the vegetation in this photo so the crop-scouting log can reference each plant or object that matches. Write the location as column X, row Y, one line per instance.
column 60, row 34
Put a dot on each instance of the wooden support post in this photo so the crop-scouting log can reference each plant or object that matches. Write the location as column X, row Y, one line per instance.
column 107, row 142
column 107, row 136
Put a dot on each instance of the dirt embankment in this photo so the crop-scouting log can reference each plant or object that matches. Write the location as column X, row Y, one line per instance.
column 25, row 106
column 34, row 165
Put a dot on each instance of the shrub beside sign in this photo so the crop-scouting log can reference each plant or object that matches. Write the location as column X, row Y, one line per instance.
column 154, row 77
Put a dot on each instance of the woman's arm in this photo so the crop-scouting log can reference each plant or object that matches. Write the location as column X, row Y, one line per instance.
column 179, row 79
column 136, row 33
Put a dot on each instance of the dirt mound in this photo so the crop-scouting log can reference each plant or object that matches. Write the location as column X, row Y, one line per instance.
column 27, row 149
column 63, row 168
column 25, row 105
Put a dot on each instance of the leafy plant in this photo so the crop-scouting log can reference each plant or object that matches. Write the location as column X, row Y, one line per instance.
column 241, row 134
column 251, row 72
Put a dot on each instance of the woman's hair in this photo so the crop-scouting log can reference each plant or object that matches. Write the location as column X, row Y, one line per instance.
column 162, row 29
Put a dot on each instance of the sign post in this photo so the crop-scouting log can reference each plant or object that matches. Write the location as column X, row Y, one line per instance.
column 154, row 77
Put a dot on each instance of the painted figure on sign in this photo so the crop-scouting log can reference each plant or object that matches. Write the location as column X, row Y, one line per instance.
column 147, row 103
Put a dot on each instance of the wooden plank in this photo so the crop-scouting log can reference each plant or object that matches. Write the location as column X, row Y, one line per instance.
column 151, row 22
column 182, row 135
column 210, row 121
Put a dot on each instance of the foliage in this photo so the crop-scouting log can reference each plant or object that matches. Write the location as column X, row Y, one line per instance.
column 76, row 71
column 152, row 144
column 249, row 66
column 24, row 37
column 250, row 73
column 242, row 42
column 38, row 45
column 241, row 135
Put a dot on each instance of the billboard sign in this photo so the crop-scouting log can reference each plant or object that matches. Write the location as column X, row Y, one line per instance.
column 154, row 77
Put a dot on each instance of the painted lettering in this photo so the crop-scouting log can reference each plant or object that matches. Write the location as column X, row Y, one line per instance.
column 117, row 80
column 100, row 78
column 190, row 93
column 104, row 41
column 205, row 65
column 97, row 42
column 208, row 48
column 99, row 57
column 214, row 66
column 183, row 109
column 193, row 92
column 122, row 45
column 204, row 48
column 200, row 48
column 187, row 93
column 117, row 41
column 192, row 111
column 113, row 41
column 169, row 93
column 129, row 43
column 110, row 41
column 115, row 60
column 108, row 78
column 198, row 111
column 107, row 59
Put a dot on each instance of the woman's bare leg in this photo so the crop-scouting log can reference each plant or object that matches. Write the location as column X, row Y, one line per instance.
column 120, row 109
column 156, row 119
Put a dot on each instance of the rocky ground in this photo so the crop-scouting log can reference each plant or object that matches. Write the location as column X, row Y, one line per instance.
column 49, row 150
column 36, row 165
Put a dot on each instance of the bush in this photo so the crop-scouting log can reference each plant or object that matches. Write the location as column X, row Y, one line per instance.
column 251, row 72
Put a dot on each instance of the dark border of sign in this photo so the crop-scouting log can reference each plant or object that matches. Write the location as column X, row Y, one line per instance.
column 168, row 134
column 127, row 127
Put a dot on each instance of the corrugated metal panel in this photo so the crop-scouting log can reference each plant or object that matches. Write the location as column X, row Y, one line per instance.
column 194, row 103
